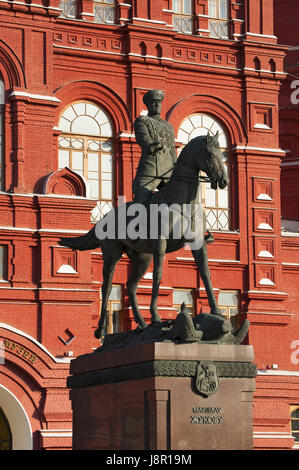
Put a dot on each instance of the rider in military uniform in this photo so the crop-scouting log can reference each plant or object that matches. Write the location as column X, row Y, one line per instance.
column 156, row 139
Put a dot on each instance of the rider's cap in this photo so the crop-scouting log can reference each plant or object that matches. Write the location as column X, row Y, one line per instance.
column 153, row 95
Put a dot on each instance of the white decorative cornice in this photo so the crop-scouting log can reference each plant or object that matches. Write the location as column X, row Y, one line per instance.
column 34, row 96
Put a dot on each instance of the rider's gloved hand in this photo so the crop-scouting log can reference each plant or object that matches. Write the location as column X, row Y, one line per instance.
column 155, row 147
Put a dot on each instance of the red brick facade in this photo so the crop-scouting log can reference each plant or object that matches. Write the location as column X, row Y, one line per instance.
column 50, row 297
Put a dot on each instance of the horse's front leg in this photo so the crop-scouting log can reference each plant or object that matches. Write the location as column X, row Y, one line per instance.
column 201, row 259
column 141, row 262
column 106, row 290
column 159, row 254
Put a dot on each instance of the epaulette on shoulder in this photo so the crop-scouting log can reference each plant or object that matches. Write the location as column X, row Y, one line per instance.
column 140, row 119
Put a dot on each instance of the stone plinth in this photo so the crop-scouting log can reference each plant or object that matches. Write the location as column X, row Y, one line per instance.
column 164, row 396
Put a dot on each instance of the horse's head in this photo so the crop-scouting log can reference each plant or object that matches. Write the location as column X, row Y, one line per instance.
column 212, row 163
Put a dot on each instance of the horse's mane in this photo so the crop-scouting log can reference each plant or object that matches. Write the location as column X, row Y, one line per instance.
column 185, row 152
column 189, row 147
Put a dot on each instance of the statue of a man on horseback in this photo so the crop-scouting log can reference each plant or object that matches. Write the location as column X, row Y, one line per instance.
column 178, row 182
column 158, row 157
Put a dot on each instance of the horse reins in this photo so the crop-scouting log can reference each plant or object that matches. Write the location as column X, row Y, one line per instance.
column 188, row 179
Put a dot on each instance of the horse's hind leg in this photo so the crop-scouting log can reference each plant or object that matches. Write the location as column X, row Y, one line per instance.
column 201, row 258
column 112, row 251
column 141, row 262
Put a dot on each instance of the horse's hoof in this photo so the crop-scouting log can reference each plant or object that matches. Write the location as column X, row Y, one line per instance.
column 241, row 332
column 98, row 333
column 155, row 318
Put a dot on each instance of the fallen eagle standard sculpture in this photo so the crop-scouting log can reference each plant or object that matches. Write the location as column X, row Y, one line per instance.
column 203, row 328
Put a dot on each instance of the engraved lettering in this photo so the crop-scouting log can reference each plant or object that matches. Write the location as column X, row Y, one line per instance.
column 19, row 350
column 200, row 409
column 194, row 419
column 32, row 359
column 206, row 419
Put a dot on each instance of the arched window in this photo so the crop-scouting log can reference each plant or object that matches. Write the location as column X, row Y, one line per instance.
column 86, row 147
column 2, row 101
column 5, row 432
column 216, row 203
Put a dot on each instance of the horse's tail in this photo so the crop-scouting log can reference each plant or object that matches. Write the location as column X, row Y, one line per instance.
column 85, row 242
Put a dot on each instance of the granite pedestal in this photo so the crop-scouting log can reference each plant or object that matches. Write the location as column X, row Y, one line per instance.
column 164, row 396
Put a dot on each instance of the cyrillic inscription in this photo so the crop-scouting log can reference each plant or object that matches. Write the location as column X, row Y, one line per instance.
column 206, row 418
column 12, row 346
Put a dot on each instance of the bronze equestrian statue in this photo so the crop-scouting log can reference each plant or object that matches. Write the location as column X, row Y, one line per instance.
column 200, row 154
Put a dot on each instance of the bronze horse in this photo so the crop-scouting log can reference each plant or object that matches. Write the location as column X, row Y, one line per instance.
column 200, row 154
